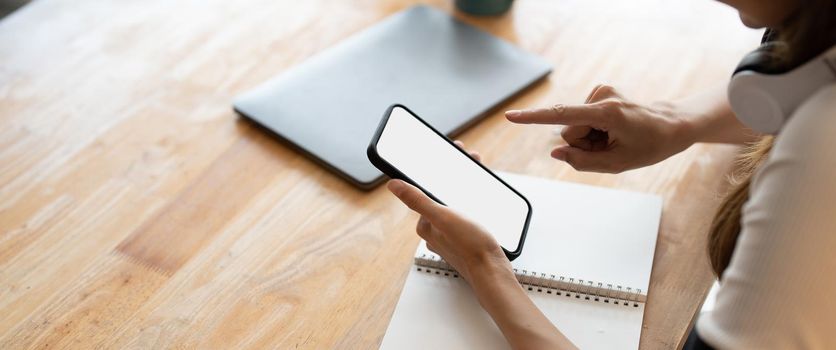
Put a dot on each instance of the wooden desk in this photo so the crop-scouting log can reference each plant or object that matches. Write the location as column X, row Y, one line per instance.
column 136, row 209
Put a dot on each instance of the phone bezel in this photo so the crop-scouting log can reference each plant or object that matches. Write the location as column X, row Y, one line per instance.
column 394, row 173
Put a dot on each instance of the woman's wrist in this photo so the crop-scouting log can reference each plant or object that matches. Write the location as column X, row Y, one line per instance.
column 486, row 268
column 685, row 126
column 487, row 265
column 490, row 278
column 490, row 269
column 519, row 319
column 707, row 117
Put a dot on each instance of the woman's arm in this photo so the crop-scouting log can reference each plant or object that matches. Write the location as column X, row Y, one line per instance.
column 611, row 134
column 479, row 259
column 522, row 323
column 707, row 117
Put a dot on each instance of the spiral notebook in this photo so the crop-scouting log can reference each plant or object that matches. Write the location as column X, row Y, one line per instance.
column 586, row 264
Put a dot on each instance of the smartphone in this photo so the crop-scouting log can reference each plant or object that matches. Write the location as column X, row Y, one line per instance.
column 406, row 147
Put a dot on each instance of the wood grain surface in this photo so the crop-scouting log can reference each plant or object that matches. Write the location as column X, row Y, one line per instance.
column 138, row 211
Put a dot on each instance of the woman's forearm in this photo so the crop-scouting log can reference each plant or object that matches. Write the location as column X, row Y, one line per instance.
column 708, row 117
column 519, row 319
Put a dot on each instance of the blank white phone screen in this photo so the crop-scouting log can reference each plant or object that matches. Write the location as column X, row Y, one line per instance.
column 449, row 175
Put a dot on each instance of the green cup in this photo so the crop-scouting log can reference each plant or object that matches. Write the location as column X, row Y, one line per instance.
column 484, row 7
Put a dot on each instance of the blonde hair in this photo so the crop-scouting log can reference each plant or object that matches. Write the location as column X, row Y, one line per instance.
column 726, row 224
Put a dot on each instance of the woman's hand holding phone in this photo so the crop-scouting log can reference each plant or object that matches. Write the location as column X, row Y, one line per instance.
column 480, row 260
column 462, row 243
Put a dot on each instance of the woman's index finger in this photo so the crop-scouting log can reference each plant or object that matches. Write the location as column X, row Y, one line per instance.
column 560, row 114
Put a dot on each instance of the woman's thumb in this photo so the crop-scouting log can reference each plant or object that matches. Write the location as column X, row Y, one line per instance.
column 415, row 199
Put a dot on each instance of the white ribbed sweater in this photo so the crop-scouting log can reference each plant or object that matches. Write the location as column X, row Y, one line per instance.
column 779, row 291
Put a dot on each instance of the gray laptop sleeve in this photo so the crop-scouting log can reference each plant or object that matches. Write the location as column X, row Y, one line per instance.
column 448, row 72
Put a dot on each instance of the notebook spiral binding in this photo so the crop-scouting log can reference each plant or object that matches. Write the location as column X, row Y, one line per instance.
column 550, row 284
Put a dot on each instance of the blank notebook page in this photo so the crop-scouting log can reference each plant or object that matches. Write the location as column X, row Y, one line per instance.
column 577, row 231
column 589, row 233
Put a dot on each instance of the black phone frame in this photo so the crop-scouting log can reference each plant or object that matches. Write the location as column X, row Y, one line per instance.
column 394, row 173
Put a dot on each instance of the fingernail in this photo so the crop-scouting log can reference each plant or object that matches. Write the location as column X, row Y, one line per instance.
column 513, row 113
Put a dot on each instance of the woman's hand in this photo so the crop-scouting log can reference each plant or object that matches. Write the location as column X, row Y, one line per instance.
column 462, row 243
column 611, row 134
column 476, row 255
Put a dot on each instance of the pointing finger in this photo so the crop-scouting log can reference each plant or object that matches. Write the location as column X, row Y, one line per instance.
column 587, row 115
